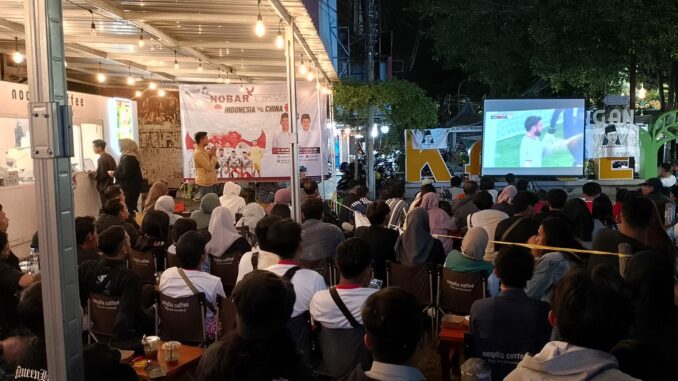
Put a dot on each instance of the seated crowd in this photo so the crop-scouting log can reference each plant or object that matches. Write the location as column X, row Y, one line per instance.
column 556, row 292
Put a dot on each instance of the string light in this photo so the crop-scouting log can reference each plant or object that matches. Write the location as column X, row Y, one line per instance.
column 242, row 88
column 162, row 93
column 17, row 57
column 279, row 41
column 92, row 27
column 176, row 63
column 101, row 77
column 302, row 68
column 141, row 38
column 199, row 65
column 259, row 28
column 137, row 93
column 219, row 74
column 310, row 76
column 152, row 85
column 130, row 79
column 228, row 79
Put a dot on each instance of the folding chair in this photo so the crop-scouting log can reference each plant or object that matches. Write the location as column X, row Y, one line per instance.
column 226, row 268
column 182, row 319
column 342, row 350
column 503, row 356
column 102, row 311
column 227, row 314
column 143, row 263
column 417, row 280
column 321, row 266
column 244, row 232
column 457, row 291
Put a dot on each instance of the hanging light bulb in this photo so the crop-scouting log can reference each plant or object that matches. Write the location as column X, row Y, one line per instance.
column 302, row 68
column 242, row 88
column 17, row 57
column 130, row 79
column 259, row 28
column 228, row 79
column 219, row 75
column 92, row 27
column 318, row 86
column 310, row 76
column 101, row 77
column 176, row 63
column 137, row 93
column 162, row 93
column 279, row 41
column 152, row 85
column 199, row 65
column 141, row 38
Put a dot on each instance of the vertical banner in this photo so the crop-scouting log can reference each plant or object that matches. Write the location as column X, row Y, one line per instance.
column 249, row 129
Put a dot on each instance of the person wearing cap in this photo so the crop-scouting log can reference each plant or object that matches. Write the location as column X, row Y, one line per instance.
column 652, row 189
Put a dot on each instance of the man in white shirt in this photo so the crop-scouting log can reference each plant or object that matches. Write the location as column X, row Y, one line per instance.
column 533, row 149
column 666, row 176
column 191, row 253
column 260, row 257
column 282, row 138
column 308, row 136
column 393, row 326
column 353, row 261
column 487, row 218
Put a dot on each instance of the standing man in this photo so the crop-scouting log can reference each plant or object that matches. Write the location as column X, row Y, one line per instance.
column 205, row 162
column 282, row 138
column 105, row 163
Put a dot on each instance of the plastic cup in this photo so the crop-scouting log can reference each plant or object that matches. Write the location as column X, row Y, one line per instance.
column 151, row 344
column 171, row 349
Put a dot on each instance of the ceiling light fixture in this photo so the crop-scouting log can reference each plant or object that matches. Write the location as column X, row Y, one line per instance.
column 302, row 68
column 137, row 93
column 101, row 77
column 162, row 93
column 176, row 63
column 17, row 57
column 92, row 27
column 279, row 41
column 310, row 76
column 259, row 28
column 242, row 88
column 130, row 79
column 228, row 79
column 199, row 65
column 141, row 38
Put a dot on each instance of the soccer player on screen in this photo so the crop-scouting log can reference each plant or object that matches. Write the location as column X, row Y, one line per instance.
column 533, row 149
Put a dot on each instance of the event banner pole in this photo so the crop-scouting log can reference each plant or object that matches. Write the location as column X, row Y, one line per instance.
column 51, row 148
column 323, row 131
column 294, row 123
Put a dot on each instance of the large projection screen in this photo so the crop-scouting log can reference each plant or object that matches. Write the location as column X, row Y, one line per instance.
column 533, row 137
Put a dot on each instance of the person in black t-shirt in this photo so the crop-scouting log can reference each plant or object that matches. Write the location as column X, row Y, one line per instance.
column 521, row 226
column 11, row 282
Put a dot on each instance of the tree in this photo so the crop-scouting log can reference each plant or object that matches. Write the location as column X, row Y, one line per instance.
column 404, row 105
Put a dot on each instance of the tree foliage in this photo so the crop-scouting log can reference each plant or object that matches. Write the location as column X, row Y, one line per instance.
column 575, row 47
column 403, row 104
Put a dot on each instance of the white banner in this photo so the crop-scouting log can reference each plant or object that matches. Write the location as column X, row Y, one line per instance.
column 249, row 127
column 430, row 139
column 612, row 140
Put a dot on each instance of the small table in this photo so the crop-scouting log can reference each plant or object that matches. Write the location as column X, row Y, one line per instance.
column 189, row 357
column 450, row 346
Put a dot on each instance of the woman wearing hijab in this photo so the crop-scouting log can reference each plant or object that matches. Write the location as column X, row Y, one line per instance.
column 158, row 190
column 128, row 174
column 282, row 197
column 225, row 238
column 416, row 245
column 470, row 258
column 165, row 204
column 203, row 215
column 438, row 220
column 251, row 215
column 231, row 198
column 505, row 199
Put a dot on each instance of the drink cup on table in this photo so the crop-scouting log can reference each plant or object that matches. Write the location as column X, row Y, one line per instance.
column 171, row 349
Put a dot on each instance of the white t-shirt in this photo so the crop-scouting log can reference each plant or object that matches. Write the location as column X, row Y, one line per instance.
column 308, row 138
column 281, row 140
column 266, row 259
column 325, row 311
column 668, row 182
column 174, row 286
column 531, row 152
column 306, row 283
column 488, row 220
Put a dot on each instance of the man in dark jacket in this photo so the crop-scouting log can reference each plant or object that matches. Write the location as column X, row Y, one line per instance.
column 652, row 189
column 105, row 163
column 461, row 208
column 109, row 275
column 115, row 213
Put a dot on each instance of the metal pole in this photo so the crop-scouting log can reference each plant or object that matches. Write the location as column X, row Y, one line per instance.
column 369, row 163
column 323, row 142
column 51, row 148
column 294, row 125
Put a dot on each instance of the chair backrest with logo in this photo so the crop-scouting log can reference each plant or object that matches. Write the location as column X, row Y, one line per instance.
column 182, row 319
column 418, row 280
column 226, row 268
column 503, row 356
column 143, row 263
column 102, row 311
column 321, row 266
column 342, row 350
column 457, row 291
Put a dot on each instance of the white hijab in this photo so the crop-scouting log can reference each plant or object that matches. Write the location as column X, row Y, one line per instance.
column 166, row 204
column 251, row 215
column 231, row 198
column 223, row 231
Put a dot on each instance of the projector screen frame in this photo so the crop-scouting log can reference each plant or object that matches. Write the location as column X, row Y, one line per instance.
column 518, row 171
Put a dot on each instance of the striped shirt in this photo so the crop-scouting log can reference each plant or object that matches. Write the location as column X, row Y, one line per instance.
column 398, row 212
